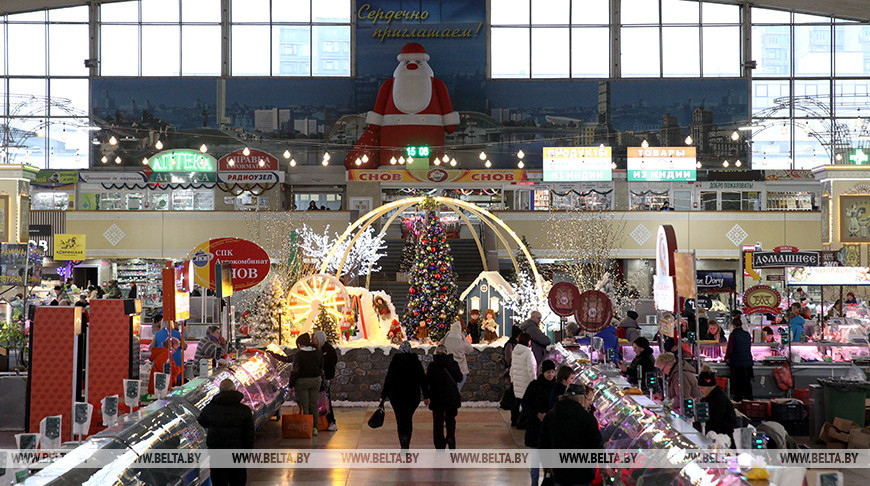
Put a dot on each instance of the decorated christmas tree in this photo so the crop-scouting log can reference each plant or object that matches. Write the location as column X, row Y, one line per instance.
column 432, row 293
column 326, row 323
column 268, row 314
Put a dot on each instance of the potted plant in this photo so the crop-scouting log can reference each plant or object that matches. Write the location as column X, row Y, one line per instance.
column 12, row 338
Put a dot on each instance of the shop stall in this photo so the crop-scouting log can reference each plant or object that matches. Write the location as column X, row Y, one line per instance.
column 831, row 346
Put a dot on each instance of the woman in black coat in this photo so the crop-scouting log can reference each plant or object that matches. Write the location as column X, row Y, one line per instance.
column 643, row 363
column 442, row 376
column 330, row 359
column 403, row 385
column 536, row 404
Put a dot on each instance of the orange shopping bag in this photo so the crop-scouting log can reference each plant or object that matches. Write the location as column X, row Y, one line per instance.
column 322, row 423
column 297, row 426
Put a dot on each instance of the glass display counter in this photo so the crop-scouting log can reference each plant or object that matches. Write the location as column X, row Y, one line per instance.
column 169, row 423
column 626, row 423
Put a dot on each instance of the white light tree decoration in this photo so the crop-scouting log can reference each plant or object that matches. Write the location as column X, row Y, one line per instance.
column 362, row 258
column 585, row 243
column 527, row 297
column 269, row 313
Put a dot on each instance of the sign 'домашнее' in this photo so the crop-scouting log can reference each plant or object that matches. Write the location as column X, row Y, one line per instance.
column 773, row 259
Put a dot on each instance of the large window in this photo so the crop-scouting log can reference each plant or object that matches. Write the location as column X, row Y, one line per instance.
column 553, row 39
column 677, row 38
column 44, row 107
column 808, row 89
column 160, row 38
column 550, row 39
column 290, row 38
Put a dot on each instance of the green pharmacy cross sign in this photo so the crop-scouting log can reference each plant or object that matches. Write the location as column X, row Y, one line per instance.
column 859, row 157
column 183, row 160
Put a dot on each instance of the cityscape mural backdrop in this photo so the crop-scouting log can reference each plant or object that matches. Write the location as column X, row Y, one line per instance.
column 310, row 115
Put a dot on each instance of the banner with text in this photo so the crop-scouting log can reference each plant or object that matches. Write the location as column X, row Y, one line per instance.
column 437, row 176
column 662, row 164
column 577, row 164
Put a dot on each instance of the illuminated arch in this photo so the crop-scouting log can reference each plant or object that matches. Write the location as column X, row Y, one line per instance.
column 501, row 230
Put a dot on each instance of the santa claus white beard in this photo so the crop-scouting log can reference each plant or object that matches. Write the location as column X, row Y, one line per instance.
column 412, row 93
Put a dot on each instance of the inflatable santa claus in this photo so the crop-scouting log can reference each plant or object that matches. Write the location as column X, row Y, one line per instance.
column 412, row 108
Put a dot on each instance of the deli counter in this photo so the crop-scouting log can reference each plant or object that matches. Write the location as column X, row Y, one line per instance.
column 636, row 422
column 169, row 423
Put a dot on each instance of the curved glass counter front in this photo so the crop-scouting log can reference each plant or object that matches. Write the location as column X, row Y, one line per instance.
column 626, row 424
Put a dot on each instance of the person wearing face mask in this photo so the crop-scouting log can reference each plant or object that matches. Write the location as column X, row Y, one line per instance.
column 536, row 404
column 570, row 425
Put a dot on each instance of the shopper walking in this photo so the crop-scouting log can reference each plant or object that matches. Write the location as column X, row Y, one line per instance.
column 523, row 366
column 330, row 359
column 442, row 376
column 306, row 376
column 509, row 388
column 539, row 341
column 403, row 385
column 458, row 346
column 536, row 404
column 738, row 355
column 229, row 424
column 570, row 425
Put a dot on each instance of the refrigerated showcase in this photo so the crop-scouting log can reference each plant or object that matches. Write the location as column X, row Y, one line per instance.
column 170, row 423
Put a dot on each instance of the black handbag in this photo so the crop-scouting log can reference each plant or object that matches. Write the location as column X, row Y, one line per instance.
column 377, row 418
column 507, row 398
column 548, row 480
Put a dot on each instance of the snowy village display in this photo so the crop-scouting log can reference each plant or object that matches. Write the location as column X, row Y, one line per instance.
column 491, row 291
column 413, row 90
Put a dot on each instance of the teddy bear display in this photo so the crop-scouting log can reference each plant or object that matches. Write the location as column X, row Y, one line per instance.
column 396, row 334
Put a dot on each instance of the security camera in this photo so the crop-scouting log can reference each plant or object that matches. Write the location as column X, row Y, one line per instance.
column 89, row 63
column 758, row 246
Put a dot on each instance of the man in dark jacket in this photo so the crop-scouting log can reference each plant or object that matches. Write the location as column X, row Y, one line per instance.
column 536, row 404
column 723, row 419
column 532, row 327
column 570, row 426
column 442, row 375
column 403, row 385
column 738, row 355
column 229, row 425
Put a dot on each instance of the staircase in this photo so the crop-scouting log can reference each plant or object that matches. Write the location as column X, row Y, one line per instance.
column 466, row 263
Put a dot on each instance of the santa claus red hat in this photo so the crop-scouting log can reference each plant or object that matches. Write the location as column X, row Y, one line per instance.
column 413, row 52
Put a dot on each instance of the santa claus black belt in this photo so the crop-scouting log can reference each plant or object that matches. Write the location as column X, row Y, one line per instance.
column 431, row 120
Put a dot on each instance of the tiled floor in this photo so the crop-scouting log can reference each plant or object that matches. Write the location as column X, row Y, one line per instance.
column 475, row 428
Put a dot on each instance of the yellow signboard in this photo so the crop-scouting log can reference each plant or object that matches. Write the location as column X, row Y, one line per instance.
column 69, row 247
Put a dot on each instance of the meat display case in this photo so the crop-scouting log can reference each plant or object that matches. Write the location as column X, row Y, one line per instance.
column 170, row 423
column 626, row 423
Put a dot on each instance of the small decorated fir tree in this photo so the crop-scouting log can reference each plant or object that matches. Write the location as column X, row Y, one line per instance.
column 432, row 294
column 326, row 323
column 268, row 314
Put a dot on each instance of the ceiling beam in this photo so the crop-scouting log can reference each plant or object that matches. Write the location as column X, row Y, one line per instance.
column 847, row 9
